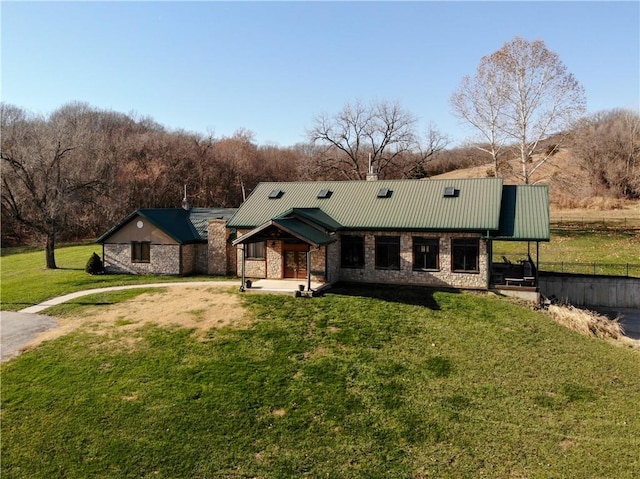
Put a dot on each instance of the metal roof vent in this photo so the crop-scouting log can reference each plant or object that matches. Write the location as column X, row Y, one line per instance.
column 384, row 193
column 275, row 194
column 450, row 192
column 322, row 194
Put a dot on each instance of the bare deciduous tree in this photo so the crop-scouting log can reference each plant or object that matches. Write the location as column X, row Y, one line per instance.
column 521, row 94
column 382, row 132
column 47, row 172
column 481, row 102
column 607, row 144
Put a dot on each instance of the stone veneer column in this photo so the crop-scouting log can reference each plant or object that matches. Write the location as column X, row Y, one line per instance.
column 217, row 247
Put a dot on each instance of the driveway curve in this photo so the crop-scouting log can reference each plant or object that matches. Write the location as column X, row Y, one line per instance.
column 18, row 329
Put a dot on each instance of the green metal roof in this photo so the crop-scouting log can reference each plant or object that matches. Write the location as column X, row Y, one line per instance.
column 291, row 226
column 304, row 231
column 181, row 225
column 315, row 215
column 405, row 205
column 524, row 213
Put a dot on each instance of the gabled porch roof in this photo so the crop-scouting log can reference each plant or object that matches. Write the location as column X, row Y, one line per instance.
column 278, row 228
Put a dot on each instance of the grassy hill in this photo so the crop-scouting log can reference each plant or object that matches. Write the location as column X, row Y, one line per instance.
column 568, row 187
column 387, row 383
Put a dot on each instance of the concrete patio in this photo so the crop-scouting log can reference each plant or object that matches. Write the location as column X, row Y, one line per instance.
column 285, row 286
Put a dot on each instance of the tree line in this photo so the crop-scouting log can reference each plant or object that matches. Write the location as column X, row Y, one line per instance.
column 75, row 172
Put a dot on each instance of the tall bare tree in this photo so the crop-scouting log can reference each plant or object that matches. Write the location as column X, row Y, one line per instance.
column 481, row 102
column 521, row 94
column 46, row 175
column 607, row 146
column 381, row 132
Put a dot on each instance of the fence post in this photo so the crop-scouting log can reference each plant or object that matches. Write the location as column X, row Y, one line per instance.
column 594, row 268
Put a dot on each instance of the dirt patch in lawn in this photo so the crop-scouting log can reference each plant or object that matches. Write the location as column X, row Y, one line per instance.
column 200, row 308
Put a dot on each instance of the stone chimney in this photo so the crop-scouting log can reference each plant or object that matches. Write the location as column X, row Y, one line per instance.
column 371, row 176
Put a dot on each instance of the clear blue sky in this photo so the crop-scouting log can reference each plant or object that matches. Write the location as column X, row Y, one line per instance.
column 271, row 67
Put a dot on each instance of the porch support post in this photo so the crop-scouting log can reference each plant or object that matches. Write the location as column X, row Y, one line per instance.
column 243, row 270
column 489, row 262
column 537, row 262
column 308, row 267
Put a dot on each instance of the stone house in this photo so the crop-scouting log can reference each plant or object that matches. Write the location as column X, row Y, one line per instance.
column 170, row 241
column 421, row 232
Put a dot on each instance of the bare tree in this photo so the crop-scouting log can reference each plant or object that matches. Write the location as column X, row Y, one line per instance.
column 381, row 131
column 434, row 142
column 45, row 176
column 607, row 145
column 522, row 94
column 481, row 102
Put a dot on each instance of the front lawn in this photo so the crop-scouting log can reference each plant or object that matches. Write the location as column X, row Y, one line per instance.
column 25, row 280
column 355, row 384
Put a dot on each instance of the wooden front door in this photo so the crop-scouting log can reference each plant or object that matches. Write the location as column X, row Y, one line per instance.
column 295, row 261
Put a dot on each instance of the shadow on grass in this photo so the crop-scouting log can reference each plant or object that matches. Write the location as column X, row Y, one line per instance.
column 414, row 295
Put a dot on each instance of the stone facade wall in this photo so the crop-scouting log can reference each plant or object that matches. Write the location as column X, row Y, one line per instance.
column 318, row 264
column 332, row 251
column 253, row 268
column 219, row 248
column 188, row 258
column 444, row 277
column 325, row 263
column 274, row 260
column 272, row 266
column 201, row 262
column 164, row 259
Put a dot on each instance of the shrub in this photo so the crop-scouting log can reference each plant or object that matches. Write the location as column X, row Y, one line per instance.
column 94, row 265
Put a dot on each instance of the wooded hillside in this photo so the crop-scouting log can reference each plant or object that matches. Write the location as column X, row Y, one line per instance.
column 74, row 173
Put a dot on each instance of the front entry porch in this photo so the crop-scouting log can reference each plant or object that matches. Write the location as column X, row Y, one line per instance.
column 287, row 286
column 293, row 248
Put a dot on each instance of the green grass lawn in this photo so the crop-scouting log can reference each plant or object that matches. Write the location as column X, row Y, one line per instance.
column 405, row 383
column 25, row 281
column 579, row 251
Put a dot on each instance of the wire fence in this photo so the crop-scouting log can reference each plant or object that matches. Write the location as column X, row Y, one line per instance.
column 599, row 269
column 591, row 223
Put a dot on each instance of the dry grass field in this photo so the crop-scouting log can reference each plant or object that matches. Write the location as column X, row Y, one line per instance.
column 569, row 189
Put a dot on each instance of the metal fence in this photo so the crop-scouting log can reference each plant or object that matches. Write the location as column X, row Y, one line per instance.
column 593, row 223
column 599, row 269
